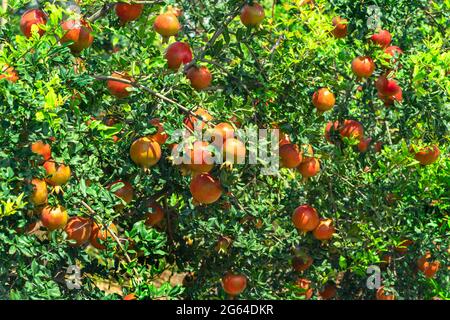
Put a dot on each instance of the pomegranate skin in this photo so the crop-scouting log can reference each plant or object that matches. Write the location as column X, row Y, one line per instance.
column 128, row 12
column 78, row 31
column 252, row 15
column 30, row 18
column 200, row 77
column 178, row 53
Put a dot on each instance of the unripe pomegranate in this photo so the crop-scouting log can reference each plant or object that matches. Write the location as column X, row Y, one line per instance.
column 382, row 38
column 381, row 295
column 195, row 123
column 302, row 263
column 30, row 18
column 305, row 288
column 205, row 188
column 126, row 192
column 234, row 151
column 200, row 77
column 160, row 136
column 178, row 53
column 222, row 132
column 393, row 51
column 40, row 193
column 145, row 152
column 42, row 149
column 252, row 15
column 305, row 218
column 324, row 230
column 323, row 99
column 340, row 27
column 78, row 31
column 155, row 214
column 309, row 167
column 54, row 217
column 328, row 292
column 128, row 12
column 78, row 229
column 99, row 232
column 200, row 158
column 363, row 67
column 10, row 74
column 387, row 87
column 364, row 144
column 117, row 88
column 57, row 175
column 167, row 25
column 428, row 155
column 290, row 155
column 234, row 284
column 352, row 129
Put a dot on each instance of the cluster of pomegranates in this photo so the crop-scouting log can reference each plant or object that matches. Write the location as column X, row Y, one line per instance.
column 306, row 219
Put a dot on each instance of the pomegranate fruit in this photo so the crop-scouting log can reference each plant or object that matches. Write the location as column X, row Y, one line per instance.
column 200, row 77
column 389, row 100
column 126, row 192
column 178, row 53
column 58, row 175
column 383, row 38
column 340, row 27
column 305, row 288
column 364, row 144
column 309, row 167
column 234, row 151
column 155, row 214
column 302, row 263
column 54, row 217
column 393, row 51
column 428, row 155
column 330, row 130
column 387, row 87
column 40, row 193
column 222, row 132
column 78, row 31
column 290, row 155
column 101, row 234
column 42, row 149
column 305, row 218
column 117, row 88
column 252, row 15
column 205, row 189
column 200, row 158
column 328, row 292
column 78, row 230
column 32, row 17
column 10, row 74
column 167, row 24
column 160, row 136
column 381, row 294
column 145, row 152
column 234, row 284
column 324, row 230
column 197, row 123
column 128, row 12
column 323, row 99
column 403, row 246
column 352, row 129
column 363, row 67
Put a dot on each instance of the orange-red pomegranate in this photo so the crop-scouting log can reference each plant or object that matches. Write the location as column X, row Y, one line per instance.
column 42, row 149
column 101, row 234
column 389, row 100
column 252, row 15
column 305, row 218
column 10, row 74
column 54, row 217
column 234, row 151
column 234, row 284
column 154, row 215
column 200, row 77
column 328, row 292
column 197, row 123
column 78, row 31
column 126, row 192
column 78, row 229
column 32, row 17
column 222, row 132
column 160, row 136
column 305, row 288
column 381, row 294
column 205, row 189
column 340, row 27
column 364, row 144
column 309, row 167
column 167, row 25
column 363, row 67
column 178, row 53
column 200, row 158
column 387, row 87
column 324, row 230
column 58, row 175
column 145, row 152
column 290, row 155
column 352, row 129
column 117, row 88
column 323, row 99
column 393, row 51
column 128, row 12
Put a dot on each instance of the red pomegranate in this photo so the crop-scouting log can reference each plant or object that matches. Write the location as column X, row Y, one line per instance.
column 167, row 24
column 305, row 288
column 154, row 215
column 78, row 31
column 302, row 263
column 328, row 292
column 323, row 99
column 393, row 51
column 252, row 14
column 205, row 189
column 160, row 136
column 387, row 87
column 78, row 229
column 233, row 151
column 324, row 230
column 40, row 193
column 222, row 132
column 305, row 218
column 42, row 149
column 428, row 155
column 117, row 88
column 32, row 17
column 381, row 294
column 309, row 167
column 128, row 12
column 178, row 53
column 145, row 152
column 382, row 38
column 340, row 27
column 200, row 77
column 234, row 284
column 290, row 155
column 199, row 157
column 197, row 123
column 389, row 100
column 364, row 144
column 352, row 129
column 363, row 67
column 58, row 175
column 125, row 192
column 99, row 232
column 54, row 217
